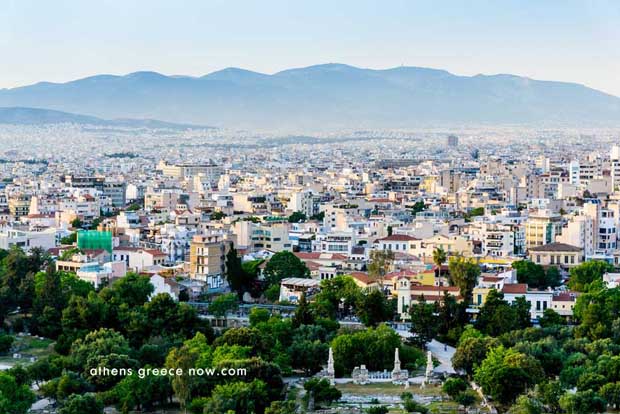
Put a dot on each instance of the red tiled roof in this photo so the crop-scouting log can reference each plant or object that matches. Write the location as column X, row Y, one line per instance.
column 317, row 256
column 492, row 279
column 362, row 277
column 398, row 237
column 566, row 296
column 312, row 265
column 401, row 273
column 515, row 288
column 432, row 298
column 435, row 288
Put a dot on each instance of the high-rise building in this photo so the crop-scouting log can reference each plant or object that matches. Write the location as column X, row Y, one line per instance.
column 615, row 167
column 453, row 141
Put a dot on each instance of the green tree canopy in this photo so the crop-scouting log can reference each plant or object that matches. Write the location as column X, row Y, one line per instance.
column 282, row 265
column 506, row 373
column 14, row 398
column 584, row 275
column 464, row 273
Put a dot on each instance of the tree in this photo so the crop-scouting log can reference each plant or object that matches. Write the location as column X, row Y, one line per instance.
column 471, row 351
column 464, row 274
column 551, row 318
column 506, row 373
column 373, row 308
column 133, row 289
column 549, row 393
column 70, row 239
column 378, row 409
column 308, row 355
column 454, row 386
column 418, row 207
column 530, row 273
column 338, row 297
column 553, row 277
column 223, row 304
column 452, row 317
column 497, row 316
column 64, row 386
column 76, row 223
column 297, row 217
column 411, row 405
column 380, row 264
column 318, row 217
column 583, row 402
column 439, row 258
column 372, row 347
column 48, row 303
column 258, row 316
column 466, row 398
column 582, row 276
column 217, row 215
column 168, row 319
column 238, row 279
column 46, row 368
column 611, row 393
column 281, row 407
column 526, row 405
column 303, row 314
column 80, row 404
column 522, row 313
column 14, row 398
column 424, row 321
column 282, row 265
column 183, row 358
column 96, row 344
column 6, row 342
column 598, row 312
column 321, row 391
column 238, row 398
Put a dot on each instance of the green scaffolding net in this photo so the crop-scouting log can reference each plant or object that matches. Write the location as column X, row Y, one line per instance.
column 94, row 240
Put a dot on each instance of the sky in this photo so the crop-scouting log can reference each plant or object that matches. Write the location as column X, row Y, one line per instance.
column 62, row 40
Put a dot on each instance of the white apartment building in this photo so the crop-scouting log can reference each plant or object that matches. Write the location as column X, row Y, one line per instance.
column 579, row 232
column 497, row 240
column 27, row 240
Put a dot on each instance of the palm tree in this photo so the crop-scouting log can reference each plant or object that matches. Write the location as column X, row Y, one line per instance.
column 439, row 258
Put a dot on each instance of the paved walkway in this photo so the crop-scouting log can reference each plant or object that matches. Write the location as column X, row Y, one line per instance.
column 443, row 353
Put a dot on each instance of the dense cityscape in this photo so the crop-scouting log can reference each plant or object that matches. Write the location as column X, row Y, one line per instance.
column 382, row 271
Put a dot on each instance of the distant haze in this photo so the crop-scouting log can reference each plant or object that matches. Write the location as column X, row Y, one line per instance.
column 325, row 97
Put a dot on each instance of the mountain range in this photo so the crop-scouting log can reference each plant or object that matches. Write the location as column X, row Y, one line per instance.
column 39, row 116
column 324, row 97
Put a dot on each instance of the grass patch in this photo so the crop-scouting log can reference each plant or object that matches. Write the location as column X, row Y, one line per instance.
column 387, row 388
column 27, row 346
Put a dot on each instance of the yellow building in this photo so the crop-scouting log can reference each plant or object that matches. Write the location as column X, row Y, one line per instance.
column 541, row 228
column 19, row 205
column 207, row 259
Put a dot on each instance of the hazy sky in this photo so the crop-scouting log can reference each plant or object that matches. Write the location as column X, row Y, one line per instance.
column 60, row 40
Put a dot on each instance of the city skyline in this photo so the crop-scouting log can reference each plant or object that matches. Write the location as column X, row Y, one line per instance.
column 572, row 42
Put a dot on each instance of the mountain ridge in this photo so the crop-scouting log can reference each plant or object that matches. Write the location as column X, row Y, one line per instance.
column 328, row 95
column 42, row 116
